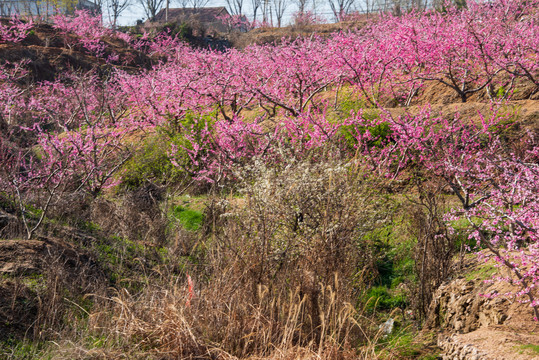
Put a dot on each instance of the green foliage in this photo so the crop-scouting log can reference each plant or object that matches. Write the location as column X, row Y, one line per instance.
column 182, row 30
column 380, row 132
column 6, row 203
column 507, row 118
column 96, row 342
column 405, row 343
column 35, row 282
column 393, row 251
column 121, row 257
column 462, row 239
column 394, row 254
column 118, row 250
column 190, row 219
column 501, row 92
column 191, row 121
column 504, row 125
column 150, row 163
column 405, row 346
column 23, row 350
column 33, row 212
column 403, row 271
column 352, row 104
column 430, row 357
column 380, row 298
column 460, row 4
column 197, row 126
column 89, row 226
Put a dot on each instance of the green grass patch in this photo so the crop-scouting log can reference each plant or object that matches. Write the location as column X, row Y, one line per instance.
column 189, row 219
column 405, row 343
column 24, row 350
column 123, row 260
column 394, row 251
column 529, row 348
column 482, row 272
column 380, row 298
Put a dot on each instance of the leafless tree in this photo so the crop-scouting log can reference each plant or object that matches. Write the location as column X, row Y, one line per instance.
column 385, row 5
column 99, row 4
column 302, row 5
column 115, row 8
column 235, row 6
column 198, row 3
column 280, row 8
column 341, row 8
column 255, row 4
column 371, row 6
column 399, row 6
column 266, row 11
column 184, row 3
column 151, row 7
column 315, row 5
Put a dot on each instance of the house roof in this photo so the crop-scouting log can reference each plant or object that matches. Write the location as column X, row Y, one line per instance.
column 205, row 14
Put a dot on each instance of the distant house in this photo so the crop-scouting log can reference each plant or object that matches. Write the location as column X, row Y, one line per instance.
column 45, row 8
column 211, row 18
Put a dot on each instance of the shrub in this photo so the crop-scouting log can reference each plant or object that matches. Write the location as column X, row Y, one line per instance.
column 150, row 163
column 276, row 268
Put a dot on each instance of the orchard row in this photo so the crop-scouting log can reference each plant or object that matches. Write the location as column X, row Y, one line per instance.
column 273, row 103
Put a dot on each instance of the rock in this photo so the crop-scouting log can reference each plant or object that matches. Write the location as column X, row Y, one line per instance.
column 453, row 349
column 387, row 327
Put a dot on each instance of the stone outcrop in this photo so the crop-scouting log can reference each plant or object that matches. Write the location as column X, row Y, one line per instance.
column 453, row 349
column 473, row 327
column 459, row 307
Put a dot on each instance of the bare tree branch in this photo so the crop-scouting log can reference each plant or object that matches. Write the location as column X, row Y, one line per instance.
column 280, row 8
column 115, row 8
column 151, row 7
column 341, row 7
column 235, row 7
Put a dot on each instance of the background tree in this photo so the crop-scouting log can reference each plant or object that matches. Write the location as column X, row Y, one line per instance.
column 255, row 5
column 115, row 8
column 266, row 11
column 151, row 7
column 341, row 8
column 198, row 3
column 65, row 6
column 235, row 6
column 280, row 8
column 302, row 5
column 100, row 4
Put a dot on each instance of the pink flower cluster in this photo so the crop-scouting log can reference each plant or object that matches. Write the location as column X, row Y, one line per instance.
column 16, row 31
column 270, row 103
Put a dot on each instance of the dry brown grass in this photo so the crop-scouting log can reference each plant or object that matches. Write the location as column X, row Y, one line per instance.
column 158, row 324
column 275, row 278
